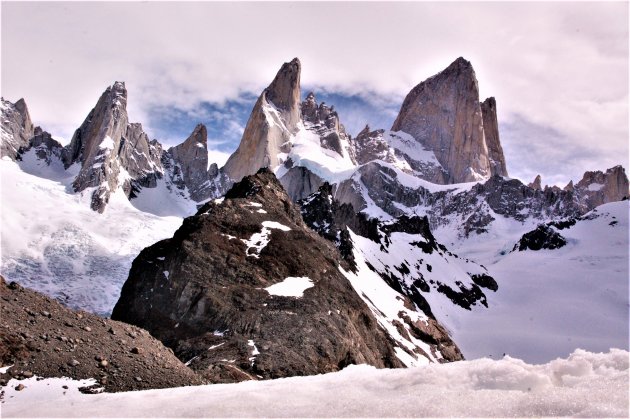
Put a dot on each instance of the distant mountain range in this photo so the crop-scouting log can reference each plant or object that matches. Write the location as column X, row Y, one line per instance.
column 383, row 245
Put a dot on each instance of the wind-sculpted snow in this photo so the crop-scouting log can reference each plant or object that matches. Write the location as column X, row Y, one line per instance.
column 54, row 243
column 583, row 385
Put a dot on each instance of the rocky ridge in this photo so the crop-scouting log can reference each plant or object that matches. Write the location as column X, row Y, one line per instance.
column 17, row 128
column 209, row 293
column 403, row 251
column 113, row 153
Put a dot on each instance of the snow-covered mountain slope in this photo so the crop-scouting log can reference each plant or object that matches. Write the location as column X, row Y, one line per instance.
column 53, row 242
column 550, row 302
column 583, row 385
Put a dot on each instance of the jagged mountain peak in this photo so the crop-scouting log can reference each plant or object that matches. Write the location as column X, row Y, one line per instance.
column 537, row 183
column 284, row 91
column 16, row 129
column 459, row 66
column 444, row 115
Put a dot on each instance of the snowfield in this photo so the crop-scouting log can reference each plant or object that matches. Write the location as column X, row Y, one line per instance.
column 583, row 385
column 54, row 243
column 549, row 302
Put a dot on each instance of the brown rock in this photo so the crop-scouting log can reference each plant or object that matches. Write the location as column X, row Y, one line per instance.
column 216, row 294
column 597, row 188
column 443, row 114
column 536, row 184
column 90, row 360
column 267, row 130
column 491, row 133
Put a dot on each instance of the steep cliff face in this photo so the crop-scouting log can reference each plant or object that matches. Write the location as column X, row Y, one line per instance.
column 401, row 150
column 597, row 188
column 245, row 290
column 491, row 132
column 274, row 118
column 444, row 115
column 17, row 128
column 187, row 166
column 111, row 151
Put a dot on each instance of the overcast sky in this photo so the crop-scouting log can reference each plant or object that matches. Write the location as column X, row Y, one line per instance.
column 559, row 71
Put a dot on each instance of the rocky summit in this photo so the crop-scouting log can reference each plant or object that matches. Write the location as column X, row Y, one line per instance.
column 274, row 118
column 245, row 290
column 443, row 114
column 17, row 128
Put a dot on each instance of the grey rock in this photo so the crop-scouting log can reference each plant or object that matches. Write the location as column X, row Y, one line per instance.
column 17, row 128
column 46, row 148
column 299, row 182
column 388, row 147
column 324, row 121
column 190, row 168
column 111, row 151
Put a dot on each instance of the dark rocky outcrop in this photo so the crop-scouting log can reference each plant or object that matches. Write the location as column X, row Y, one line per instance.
column 543, row 237
column 443, row 114
column 46, row 148
column 204, row 293
column 17, row 128
column 41, row 337
column 331, row 219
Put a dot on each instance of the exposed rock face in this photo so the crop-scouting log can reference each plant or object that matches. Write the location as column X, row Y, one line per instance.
column 491, row 132
column 444, row 115
column 111, row 151
column 536, row 184
column 41, row 337
column 598, row 188
column 46, row 148
column 187, row 164
column 400, row 150
column 17, row 128
column 274, row 118
column 569, row 186
column 379, row 184
column 324, row 121
column 330, row 219
column 207, row 293
column 370, row 145
column 299, row 182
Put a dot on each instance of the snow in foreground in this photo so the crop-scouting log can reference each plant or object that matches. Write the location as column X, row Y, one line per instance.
column 586, row 384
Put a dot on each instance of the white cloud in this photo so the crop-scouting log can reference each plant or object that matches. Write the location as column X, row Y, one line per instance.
column 218, row 157
column 563, row 65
